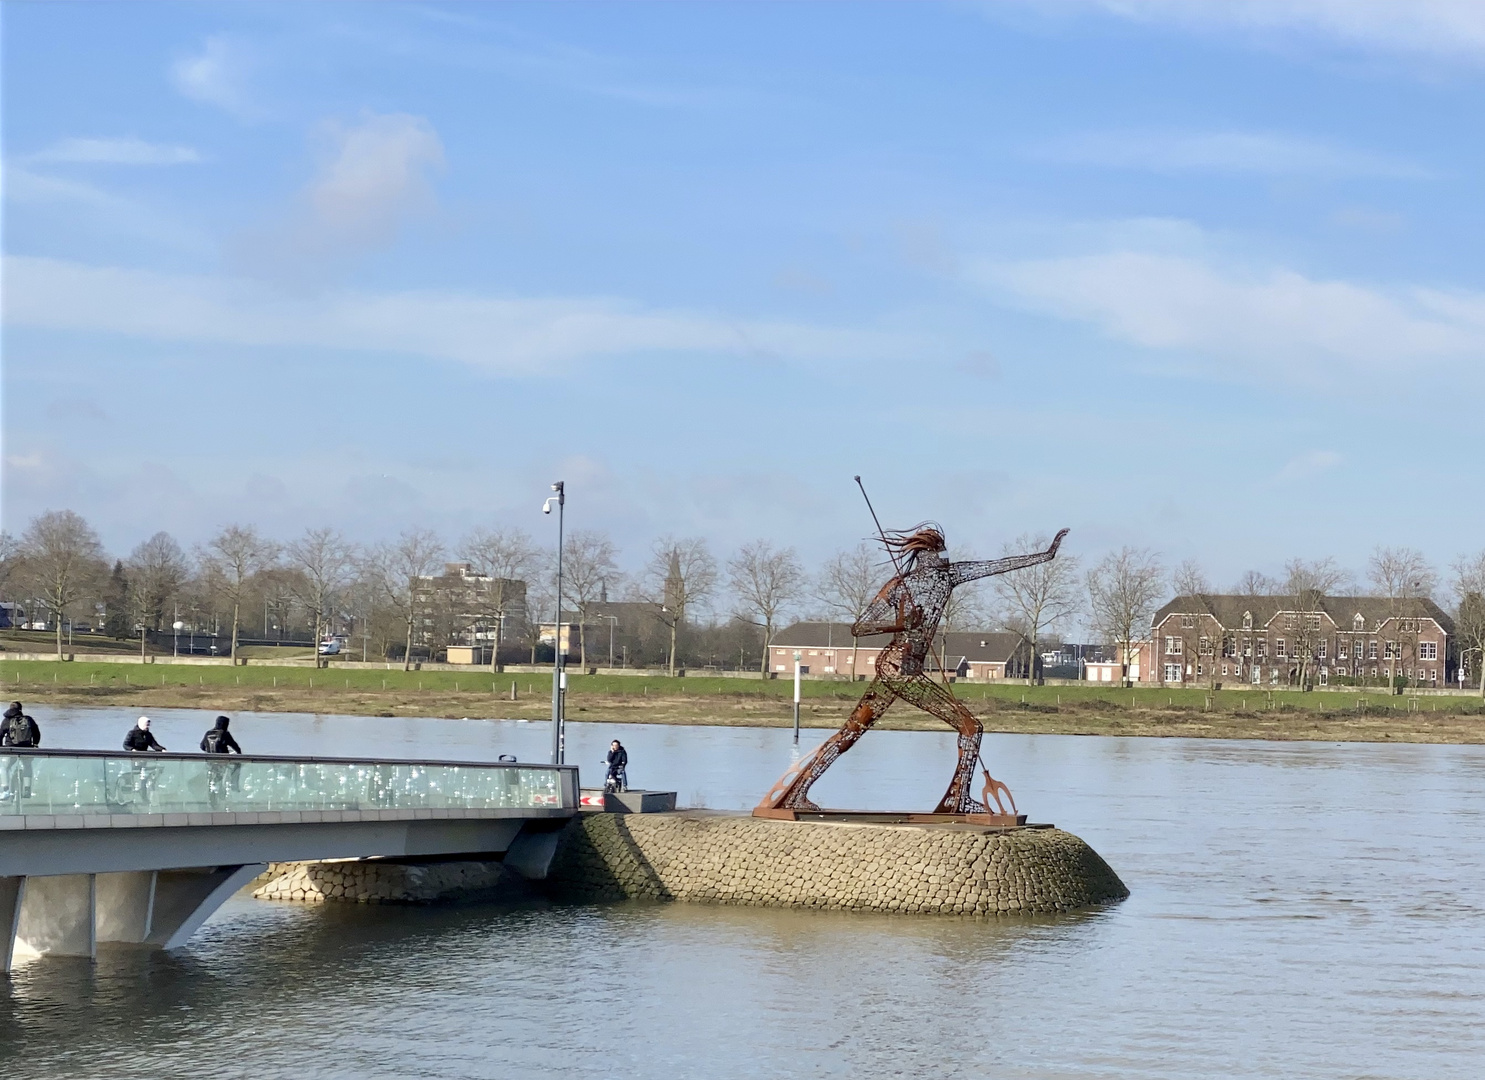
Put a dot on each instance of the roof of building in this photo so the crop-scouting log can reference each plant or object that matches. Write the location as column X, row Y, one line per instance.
column 1228, row 609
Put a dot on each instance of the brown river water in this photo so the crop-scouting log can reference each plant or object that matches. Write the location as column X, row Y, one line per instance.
column 1297, row 910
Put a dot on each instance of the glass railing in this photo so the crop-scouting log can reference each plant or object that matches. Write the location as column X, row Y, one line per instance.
column 96, row 782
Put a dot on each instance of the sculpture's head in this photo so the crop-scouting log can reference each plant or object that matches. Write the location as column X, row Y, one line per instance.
column 923, row 539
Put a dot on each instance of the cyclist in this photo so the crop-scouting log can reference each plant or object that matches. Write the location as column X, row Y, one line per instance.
column 218, row 740
column 141, row 738
column 618, row 765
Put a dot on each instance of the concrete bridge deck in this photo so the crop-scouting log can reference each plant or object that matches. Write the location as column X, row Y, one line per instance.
column 142, row 848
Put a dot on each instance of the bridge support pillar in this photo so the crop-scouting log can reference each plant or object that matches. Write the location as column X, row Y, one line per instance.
column 184, row 899
column 56, row 917
column 126, row 904
column 12, row 892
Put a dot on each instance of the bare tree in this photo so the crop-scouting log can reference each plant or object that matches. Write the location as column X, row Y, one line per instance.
column 765, row 581
column 1123, row 592
column 1401, row 574
column 324, row 560
column 505, row 556
column 846, row 585
column 1254, row 583
column 1306, row 585
column 589, row 566
column 158, row 571
column 1188, row 579
column 10, row 561
column 230, row 560
column 1037, row 597
column 1469, row 616
column 62, row 558
column 680, row 577
column 405, row 571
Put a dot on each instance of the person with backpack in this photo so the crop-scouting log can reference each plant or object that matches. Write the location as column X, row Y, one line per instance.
column 20, row 731
column 222, row 778
column 141, row 738
column 218, row 740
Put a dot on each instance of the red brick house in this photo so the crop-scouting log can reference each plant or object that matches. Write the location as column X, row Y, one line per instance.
column 827, row 648
column 1274, row 641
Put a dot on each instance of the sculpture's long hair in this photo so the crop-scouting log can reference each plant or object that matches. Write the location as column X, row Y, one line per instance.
column 925, row 536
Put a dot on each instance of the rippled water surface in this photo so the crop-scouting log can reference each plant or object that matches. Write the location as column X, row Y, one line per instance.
column 1297, row 910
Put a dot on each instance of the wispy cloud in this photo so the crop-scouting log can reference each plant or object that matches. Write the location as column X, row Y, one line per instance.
column 373, row 176
column 219, row 75
column 1307, row 466
column 1260, row 153
column 499, row 334
column 126, row 151
column 1253, row 320
column 103, row 211
column 1437, row 28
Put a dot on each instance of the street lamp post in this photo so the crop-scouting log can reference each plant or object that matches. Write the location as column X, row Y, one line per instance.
column 797, row 658
column 559, row 748
column 178, row 626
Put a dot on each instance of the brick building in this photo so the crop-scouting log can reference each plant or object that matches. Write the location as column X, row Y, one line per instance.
column 827, row 648
column 1283, row 640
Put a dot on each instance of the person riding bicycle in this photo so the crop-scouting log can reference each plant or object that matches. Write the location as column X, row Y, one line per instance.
column 618, row 764
column 18, row 729
column 141, row 738
column 218, row 740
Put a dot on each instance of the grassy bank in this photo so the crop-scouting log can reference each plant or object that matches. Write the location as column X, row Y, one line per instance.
column 1087, row 710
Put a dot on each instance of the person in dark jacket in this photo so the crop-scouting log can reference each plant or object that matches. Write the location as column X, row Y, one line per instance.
column 141, row 738
column 618, row 764
column 218, row 740
column 18, row 730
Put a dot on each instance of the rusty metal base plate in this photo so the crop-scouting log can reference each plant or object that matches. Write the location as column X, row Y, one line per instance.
column 879, row 817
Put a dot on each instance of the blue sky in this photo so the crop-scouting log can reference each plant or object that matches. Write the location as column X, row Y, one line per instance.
column 1198, row 276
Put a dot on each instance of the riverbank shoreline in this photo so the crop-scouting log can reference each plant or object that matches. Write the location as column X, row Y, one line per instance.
column 1437, row 721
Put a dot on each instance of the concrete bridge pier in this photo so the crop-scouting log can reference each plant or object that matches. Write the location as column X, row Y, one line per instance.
column 69, row 914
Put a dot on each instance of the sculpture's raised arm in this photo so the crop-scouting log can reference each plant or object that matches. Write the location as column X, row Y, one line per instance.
column 983, row 568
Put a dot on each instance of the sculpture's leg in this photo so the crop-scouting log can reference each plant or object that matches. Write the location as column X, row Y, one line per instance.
column 935, row 699
column 792, row 790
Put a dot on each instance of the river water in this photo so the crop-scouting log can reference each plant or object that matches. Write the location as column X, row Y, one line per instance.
column 1297, row 910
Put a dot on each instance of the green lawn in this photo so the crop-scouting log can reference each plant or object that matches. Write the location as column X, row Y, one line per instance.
column 16, row 676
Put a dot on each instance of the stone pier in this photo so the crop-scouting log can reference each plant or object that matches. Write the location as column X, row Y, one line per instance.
column 715, row 858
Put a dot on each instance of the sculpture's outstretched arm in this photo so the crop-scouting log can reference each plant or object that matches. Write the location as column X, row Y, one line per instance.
column 973, row 571
column 892, row 612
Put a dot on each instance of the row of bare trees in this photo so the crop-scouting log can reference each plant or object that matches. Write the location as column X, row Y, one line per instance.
column 700, row 605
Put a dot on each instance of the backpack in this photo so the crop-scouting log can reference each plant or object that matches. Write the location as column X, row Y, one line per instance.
column 213, row 741
column 19, row 731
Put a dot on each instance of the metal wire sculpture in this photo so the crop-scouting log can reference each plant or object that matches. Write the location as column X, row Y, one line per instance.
column 910, row 607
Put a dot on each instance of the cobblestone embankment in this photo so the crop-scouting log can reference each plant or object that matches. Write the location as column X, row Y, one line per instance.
column 711, row 858
column 373, row 881
column 730, row 859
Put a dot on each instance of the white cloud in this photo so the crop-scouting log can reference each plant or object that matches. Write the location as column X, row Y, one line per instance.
column 127, row 151
column 502, row 334
column 1449, row 28
column 1270, row 320
column 218, row 75
column 1307, row 466
column 373, row 174
column 1229, row 151
column 371, row 179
